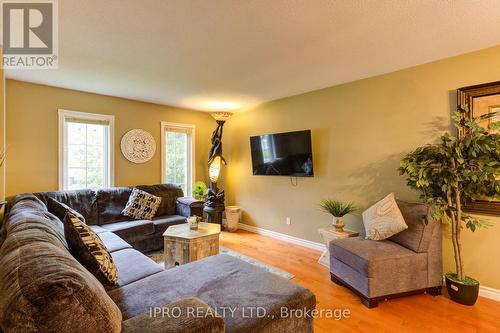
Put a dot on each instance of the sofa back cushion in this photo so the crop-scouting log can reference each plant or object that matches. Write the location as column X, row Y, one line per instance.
column 111, row 202
column 420, row 226
column 83, row 201
column 168, row 194
column 43, row 288
column 60, row 209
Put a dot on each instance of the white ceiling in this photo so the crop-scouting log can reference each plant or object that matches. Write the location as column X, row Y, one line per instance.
column 224, row 54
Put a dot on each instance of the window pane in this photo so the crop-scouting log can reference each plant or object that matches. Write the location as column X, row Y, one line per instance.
column 76, row 156
column 76, row 133
column 95, row 157
column 176, row 159
column 95, row 177
column 86, row 161
column 76, row 178
column 95, row 135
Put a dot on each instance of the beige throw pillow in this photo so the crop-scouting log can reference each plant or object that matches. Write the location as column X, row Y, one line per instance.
column 384, row 219
column 141, row 205
column 89, row 250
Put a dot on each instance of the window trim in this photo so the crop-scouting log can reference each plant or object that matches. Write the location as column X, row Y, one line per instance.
column 163, row 126
column 63, row 115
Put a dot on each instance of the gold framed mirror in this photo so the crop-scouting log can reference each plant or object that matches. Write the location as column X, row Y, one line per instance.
column 481, row 99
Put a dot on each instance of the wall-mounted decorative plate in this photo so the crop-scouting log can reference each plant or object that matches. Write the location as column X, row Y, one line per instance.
column 138, row 146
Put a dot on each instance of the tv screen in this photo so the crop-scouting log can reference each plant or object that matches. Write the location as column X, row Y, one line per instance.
column 282, row 154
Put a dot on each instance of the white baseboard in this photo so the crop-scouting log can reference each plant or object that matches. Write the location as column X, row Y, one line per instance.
column 490, row 293
column 284, row 237
column 486, row 292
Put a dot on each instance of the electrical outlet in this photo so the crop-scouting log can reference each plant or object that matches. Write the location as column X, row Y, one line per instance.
column 288, row 220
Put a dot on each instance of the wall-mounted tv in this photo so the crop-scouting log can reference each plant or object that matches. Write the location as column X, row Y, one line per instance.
column 282, row 154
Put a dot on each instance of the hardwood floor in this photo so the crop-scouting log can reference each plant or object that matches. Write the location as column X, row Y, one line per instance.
column 420, row 313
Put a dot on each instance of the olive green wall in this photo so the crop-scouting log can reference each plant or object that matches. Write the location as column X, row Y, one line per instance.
column 32, row 133
column 360, row 132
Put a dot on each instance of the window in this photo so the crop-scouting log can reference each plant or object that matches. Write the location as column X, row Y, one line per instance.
column 86, row 150
column 177, row 148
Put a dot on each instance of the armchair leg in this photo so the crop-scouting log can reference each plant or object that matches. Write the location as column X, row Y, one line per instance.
column 434, row 291
column 335, row 280
column 369, row 302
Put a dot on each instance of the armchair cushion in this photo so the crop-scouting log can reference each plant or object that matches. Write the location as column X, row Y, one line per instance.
column 376, row 258
column 421, row 226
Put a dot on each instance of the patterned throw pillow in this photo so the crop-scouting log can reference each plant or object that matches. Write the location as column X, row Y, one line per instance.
column 141, row 205
column 384, row 219
column 89, row 250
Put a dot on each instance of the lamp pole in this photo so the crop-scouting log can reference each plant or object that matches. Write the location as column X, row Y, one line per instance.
column 214, row 206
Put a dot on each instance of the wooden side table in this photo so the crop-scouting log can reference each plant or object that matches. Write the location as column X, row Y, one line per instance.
column 328, row 235
column 183, row 245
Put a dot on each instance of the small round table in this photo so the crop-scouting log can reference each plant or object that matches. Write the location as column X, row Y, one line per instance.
column 328, row 235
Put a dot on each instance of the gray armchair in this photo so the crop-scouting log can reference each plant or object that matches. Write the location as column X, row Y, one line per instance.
column 407, row 263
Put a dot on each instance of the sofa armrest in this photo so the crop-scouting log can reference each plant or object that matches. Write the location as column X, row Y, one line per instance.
column 185, row 316
column 187, row 206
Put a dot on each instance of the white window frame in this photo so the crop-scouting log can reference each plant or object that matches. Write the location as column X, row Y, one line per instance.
column 63, row 115
column 191, row 154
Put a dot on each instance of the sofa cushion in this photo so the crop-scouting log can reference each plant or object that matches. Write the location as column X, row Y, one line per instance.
column 32, row 207
column 141, row 205
column 162, row 223
column 98, row 229
column 219, row 281
column 130, row 229
column 375, row 258
column 111, row 202
column 43, row 288
column 206, row 319
column 168, row 194
column 383, row 219
column 187, row 206
column 133, row 265
column 113, row 242
column 420, row 223
column 83, row 201
column 60, row 209
column 89, row 250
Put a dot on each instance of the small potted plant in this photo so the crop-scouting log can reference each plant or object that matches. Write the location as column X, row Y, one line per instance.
column 338, row 210
column 200, row 191
column 458, row 168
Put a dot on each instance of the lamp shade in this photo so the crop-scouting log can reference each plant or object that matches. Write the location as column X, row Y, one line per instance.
column 221, row 115
column 214, row 169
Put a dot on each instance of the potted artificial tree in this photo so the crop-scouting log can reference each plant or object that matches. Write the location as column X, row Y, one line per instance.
column 337, row 209
column 460, row 167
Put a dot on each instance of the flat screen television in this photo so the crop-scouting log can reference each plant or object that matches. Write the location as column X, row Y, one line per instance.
column 282, row 154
